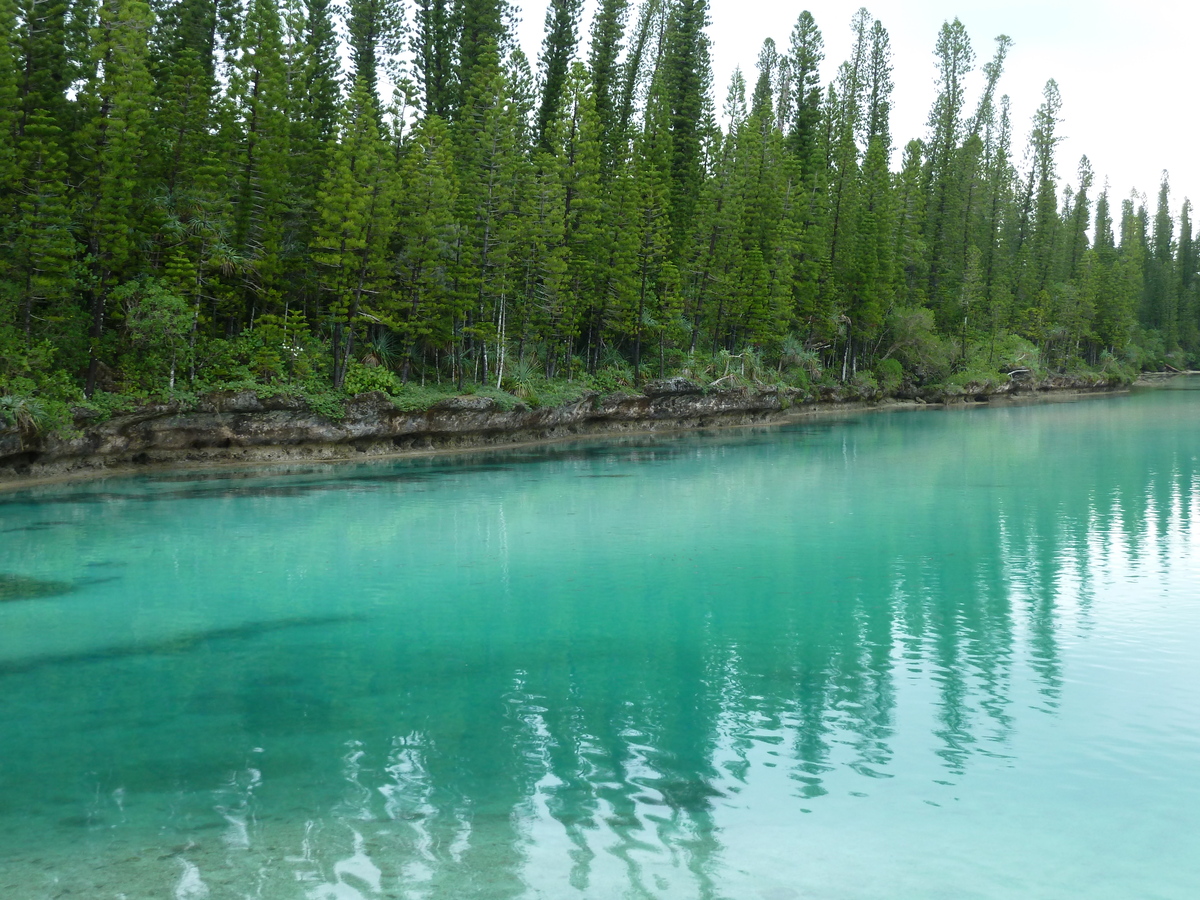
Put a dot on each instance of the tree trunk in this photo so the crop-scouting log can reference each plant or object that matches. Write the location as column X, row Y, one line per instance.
column 94, row 333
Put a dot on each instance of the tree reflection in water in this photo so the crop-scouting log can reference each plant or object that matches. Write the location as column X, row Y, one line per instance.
column 595, row 683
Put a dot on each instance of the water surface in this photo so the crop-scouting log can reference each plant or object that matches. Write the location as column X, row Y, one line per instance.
column 898, row 655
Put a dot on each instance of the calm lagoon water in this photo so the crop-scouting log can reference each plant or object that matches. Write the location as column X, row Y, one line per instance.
column 906, row 655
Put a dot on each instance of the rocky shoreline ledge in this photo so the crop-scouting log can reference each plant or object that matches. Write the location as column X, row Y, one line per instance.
column 244, row 428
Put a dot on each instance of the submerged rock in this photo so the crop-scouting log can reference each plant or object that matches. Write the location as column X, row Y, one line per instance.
column 22, row 587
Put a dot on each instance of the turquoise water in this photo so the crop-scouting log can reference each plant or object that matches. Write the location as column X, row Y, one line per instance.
column 904, row 655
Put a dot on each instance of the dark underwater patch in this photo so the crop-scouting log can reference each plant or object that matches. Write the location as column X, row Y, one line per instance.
column 22, row 587
column 691, row 795
column 36, row 526
column 173, row 645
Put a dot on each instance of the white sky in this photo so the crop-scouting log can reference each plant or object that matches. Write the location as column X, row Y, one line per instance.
column 1126, row 72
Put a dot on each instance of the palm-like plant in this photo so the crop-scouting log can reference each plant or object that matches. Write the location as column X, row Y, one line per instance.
column 795, row 355
column 382, row 350
column 25, row 412
column 519, row 377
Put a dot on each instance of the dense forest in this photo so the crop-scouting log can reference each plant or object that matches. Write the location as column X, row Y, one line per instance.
column 210, row 194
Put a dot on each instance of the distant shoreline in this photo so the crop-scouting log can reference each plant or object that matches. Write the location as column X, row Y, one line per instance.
column 243, row 431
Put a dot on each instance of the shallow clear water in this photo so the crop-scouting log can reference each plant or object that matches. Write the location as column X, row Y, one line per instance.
column 908, row 655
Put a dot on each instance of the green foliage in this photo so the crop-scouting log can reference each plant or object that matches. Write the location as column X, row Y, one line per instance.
column 330, row 404
column 283, row 350
column 27, row 414
column 866, row 385
column 520, row 376
column 889, row 375
column 556, row 392
column 105, row 405
column 23, row 365
column 198, row 198
column 157, row 321
column 354, row 221
column 153, row 313
column 1013, row 353
column 1147, row 351
column 562, row 19
column 361, row 379
column 913, row 340
column 415, row 397
column 797, row 363
column 976, row 377
column 613, row 378
column 1120, row 370
column 36, row 396
column 382, row 350
column 262, row 353
column 524, row 380
column 502, row 399
column 797, row 378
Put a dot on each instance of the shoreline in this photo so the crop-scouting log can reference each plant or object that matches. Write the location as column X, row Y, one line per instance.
column 239, row 431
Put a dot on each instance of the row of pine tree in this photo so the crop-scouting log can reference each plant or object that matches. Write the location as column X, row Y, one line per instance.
column 198, row 190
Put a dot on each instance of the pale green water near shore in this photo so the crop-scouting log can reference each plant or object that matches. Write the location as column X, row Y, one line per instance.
column 909, row 655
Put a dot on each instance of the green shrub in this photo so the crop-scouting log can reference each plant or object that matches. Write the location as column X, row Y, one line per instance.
column 890, row 375
column 797, row 364
column 361, row 379
column 614, row 377
column 520, row 376
column 1112, row 367
column 26, row 413
column 158, row 323
column 797, row 377
column 917, row 345
column 1011, row 352
column 676, row 359
column 330, row 405
column 865, row 384
column 556, row 392
column 414, row 397
column 976, row 376
column 504, row 400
